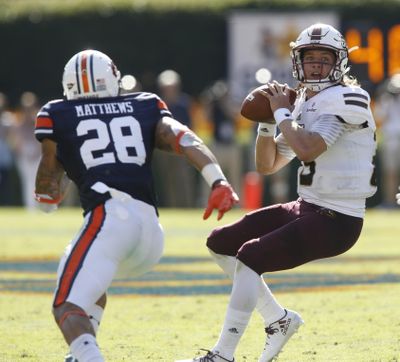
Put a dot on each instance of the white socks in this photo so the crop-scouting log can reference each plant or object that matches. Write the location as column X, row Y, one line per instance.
column 227, row 263
column 232, row 330
column 85, row 349
column 241, row 305
column 95, row 313
column 267, row 305
column 245, row 289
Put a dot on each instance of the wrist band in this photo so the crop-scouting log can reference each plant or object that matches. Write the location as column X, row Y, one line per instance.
column 266, row 129
column 46, row 199
column 211, row 173
column 282, row 114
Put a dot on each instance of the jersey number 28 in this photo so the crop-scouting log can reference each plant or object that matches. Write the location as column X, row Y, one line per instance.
column 124, row 133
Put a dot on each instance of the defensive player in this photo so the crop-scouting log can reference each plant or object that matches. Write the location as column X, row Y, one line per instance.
column 104, row 142
column 331, row 131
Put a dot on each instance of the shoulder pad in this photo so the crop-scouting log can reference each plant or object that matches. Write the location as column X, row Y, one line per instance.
column 44, row 111
column 51, row 105
column 54, row 102
column 146, row 96
column 352, row 104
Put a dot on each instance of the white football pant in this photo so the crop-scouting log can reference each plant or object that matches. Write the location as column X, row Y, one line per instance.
column 124, row 234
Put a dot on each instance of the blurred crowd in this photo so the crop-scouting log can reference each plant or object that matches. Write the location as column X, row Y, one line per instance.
column 19, row 150
column 387, row 114
column 215, row 117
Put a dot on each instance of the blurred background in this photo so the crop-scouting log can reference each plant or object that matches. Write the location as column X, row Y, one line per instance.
column 202, row 57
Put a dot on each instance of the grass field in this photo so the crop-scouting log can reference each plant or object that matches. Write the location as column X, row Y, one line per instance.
column 350, row 303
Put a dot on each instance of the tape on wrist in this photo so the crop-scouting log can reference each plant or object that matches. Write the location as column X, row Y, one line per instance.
column 266, row 129
column 46, row 199
column 211, row 173
column 282, row 114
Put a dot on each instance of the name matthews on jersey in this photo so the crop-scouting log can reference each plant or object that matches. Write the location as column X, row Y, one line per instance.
column 93, row 109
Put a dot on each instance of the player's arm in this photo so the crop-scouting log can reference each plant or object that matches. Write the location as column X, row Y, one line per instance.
column 51, row 182
column 267, row 158
column 306, row 144
column 172, row 136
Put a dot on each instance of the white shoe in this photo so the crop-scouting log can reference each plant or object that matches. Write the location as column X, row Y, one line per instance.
column 70, row 358
column 278, row 333
column 209, row 357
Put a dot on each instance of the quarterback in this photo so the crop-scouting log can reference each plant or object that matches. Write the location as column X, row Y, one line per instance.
column 103, row 142
column 331, row 130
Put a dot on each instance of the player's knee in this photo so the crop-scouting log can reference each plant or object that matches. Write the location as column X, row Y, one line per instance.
column 213, row 241
column 249, row 254
column 217, row 243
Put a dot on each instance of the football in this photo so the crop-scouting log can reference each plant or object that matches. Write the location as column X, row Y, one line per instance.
column 256, row 107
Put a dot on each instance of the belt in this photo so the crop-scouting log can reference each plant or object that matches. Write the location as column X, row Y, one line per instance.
column 322, row 210
column 102, row 188
column 326, row 212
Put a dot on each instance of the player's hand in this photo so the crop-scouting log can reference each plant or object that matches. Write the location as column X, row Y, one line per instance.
column 278, row 96
column 222, row 198
column 398, row 197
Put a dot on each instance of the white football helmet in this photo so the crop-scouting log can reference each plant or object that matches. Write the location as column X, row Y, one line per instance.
column 320, row 36
column 90, row 74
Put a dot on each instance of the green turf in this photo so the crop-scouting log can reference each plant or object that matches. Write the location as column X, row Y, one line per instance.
column 357, row 321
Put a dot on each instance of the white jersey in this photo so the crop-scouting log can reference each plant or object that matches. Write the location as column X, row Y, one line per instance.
column 341, row 178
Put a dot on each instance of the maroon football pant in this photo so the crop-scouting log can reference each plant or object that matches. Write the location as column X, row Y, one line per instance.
column 284, row 236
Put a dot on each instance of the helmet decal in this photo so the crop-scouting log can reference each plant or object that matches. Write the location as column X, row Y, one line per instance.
column 76, row 74
column 114, row 69
column 84, row 73
column 316, row 34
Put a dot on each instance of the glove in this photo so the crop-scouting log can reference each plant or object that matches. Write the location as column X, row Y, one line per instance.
column 46, row 203
column 222, row 198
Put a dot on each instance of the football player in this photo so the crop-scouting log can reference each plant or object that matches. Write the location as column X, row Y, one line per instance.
column 103, row 142
column 331, row 130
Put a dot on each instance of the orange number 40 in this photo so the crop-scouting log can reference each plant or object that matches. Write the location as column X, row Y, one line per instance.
column 373, row 53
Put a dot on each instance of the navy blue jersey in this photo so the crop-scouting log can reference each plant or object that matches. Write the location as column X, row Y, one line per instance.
column 110, row 140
